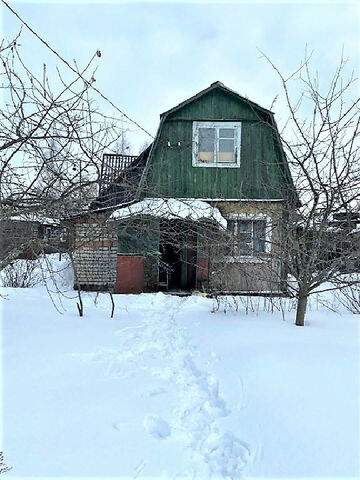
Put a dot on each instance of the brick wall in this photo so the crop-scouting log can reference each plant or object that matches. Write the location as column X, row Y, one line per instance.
column 95, row 254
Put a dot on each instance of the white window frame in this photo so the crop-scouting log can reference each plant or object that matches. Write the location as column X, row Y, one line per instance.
column 217, row 125
column 268, row 233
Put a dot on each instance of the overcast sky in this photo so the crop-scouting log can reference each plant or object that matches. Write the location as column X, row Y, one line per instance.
column 155, row 55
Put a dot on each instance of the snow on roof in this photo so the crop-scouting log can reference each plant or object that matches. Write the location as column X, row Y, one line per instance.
column 172, row 208
column 355, row 230
column 34, row 217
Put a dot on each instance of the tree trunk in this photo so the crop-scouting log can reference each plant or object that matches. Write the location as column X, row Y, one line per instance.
column 301, row 310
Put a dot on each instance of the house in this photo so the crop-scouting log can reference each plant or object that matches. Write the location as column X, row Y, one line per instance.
column 28, row 235
column 200, row 208
column 344, row 227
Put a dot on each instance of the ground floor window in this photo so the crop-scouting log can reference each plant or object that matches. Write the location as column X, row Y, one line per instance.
column 249, row 236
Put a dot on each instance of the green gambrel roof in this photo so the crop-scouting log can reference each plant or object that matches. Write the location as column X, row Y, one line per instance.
column 259, row 124
column 165, row 172
column 213, row 86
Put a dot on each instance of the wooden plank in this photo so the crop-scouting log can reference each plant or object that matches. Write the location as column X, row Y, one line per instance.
column 258, row 175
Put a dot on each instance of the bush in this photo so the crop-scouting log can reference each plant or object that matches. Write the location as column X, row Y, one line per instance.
column 349, row 297
column 21, row 274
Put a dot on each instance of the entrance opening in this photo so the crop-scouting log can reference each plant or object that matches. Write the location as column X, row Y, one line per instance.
column 177, row 266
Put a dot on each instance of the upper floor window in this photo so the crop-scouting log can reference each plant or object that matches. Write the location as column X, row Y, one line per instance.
column 216, row 144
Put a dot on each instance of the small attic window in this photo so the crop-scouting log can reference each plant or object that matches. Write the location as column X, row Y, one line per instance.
column 216, row 144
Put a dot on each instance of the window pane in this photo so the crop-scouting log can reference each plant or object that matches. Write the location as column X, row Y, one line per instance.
column 226, row 145
column 226, row 157
column 259, row 235
column 245, row 238
column 226, row 151
column 245, row 250
column 245, row 226
column 245, row 244
column 206, row 144
column 206, row 157
column 226, row 133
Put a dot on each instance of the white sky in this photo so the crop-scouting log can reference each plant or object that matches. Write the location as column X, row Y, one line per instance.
column 155, row 55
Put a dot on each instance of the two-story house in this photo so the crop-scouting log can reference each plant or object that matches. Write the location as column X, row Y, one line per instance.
column 201, row 208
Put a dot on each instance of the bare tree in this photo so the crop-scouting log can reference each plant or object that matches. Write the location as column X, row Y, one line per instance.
column 144, row 146
column 123, row 145
column 3, row 467
column 321, row 142
column 52, row 138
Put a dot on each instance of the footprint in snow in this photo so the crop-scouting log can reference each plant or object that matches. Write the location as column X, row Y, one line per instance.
column 119, row 425
column 156, row 391
column 157, row 427
column 225, row 454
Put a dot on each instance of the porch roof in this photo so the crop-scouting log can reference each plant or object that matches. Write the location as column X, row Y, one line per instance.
column 172, row 208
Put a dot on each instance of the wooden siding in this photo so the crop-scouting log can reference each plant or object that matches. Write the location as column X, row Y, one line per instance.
column 171, row 173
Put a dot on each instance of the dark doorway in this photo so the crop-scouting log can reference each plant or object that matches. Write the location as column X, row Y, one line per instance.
column 177, row 267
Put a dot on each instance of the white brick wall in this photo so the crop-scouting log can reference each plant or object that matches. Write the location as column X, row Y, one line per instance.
column 95, row 254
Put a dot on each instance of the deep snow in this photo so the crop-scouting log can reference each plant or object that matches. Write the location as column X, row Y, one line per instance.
column 168, row 389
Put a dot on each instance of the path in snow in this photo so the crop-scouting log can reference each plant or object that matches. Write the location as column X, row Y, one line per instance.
column 160, row 347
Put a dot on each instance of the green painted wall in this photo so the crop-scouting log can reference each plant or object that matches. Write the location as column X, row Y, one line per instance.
column 170, row 171
column 138, row 236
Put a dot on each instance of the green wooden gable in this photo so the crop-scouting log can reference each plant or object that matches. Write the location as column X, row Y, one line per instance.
column 263, row 171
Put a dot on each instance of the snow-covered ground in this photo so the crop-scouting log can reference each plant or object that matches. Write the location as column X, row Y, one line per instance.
column 168, row 389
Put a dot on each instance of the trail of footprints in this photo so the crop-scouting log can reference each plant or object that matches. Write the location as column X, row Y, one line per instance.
column 212, row 451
